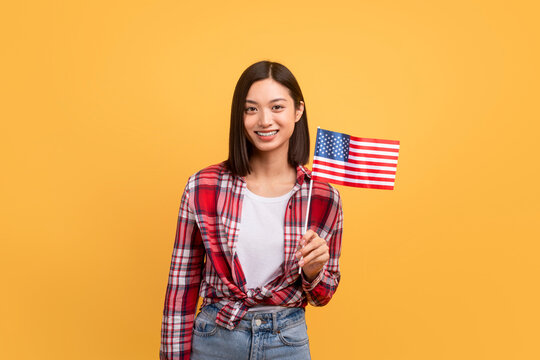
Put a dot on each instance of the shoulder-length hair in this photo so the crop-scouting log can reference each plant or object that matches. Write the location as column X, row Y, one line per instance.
column 240, row 149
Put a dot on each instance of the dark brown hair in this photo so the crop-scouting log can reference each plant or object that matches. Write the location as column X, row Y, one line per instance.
column 240, row 149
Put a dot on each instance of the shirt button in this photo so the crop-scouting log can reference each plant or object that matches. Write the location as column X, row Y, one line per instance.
column 258, row 322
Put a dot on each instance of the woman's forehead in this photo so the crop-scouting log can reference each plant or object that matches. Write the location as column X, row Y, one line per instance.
column 264, row 91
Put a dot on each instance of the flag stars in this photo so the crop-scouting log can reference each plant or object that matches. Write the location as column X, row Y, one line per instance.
column 332, row 145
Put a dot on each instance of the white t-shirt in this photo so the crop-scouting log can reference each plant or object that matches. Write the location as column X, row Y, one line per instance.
column 260, row 245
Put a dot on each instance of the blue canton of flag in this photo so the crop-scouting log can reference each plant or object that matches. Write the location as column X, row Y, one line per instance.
column 332, row 145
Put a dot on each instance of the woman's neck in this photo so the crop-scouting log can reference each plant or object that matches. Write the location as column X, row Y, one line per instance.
column 270, row 167
column 270, row 176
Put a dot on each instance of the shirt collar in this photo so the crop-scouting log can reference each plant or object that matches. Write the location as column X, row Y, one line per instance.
column 302, row 173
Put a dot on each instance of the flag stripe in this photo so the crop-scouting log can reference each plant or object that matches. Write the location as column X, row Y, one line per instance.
column 353, row 165
column 346, row 183
column 325, row 170
column 352, row 181
column 318, row 164
column 374, row 157
column 379, row 156
column 379, row 141
column 374, row 144
column 372, row 161
column 360, row 148
column 375, row 152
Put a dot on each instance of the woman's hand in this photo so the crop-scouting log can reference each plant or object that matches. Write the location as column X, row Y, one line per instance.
column 315, row 253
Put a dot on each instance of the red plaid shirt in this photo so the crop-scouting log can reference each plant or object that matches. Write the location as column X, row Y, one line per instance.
column 208, row 224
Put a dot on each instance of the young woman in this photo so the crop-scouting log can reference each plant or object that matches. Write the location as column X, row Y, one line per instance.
column 240, row 240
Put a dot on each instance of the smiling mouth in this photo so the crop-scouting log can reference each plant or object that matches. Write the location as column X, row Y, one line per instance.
column 266, row 133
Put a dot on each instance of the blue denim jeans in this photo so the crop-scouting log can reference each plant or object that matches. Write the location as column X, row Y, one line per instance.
column 259, row 335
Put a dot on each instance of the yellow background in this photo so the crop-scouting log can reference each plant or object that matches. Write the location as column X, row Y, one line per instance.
column 108, row 106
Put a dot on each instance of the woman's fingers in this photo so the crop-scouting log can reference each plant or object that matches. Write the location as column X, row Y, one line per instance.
column 318, row 254
column 316, row 248
column 313, row 253
column 308, row 237
column 313, row 244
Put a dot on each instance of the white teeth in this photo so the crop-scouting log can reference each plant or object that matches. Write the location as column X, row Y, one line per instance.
column 266, row 133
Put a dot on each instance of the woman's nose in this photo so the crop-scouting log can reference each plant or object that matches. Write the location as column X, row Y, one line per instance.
column 265, row 119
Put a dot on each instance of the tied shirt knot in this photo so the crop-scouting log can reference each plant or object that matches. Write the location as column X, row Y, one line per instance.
column 234, row 311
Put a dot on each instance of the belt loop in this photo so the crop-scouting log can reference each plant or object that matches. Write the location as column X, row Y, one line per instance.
column 274, row 321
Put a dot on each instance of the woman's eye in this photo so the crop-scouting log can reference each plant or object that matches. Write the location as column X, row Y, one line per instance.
column 281, row 107
column 249, row 108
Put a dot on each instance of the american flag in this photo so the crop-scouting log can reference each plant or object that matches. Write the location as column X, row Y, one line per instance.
column 355, row 161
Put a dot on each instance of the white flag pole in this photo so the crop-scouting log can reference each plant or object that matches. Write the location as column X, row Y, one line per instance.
column 307, row 217
column 309, row 197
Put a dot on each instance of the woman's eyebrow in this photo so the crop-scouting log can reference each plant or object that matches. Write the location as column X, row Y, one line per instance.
column 271, row 101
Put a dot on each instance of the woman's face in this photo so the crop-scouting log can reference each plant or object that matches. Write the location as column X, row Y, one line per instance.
column 270, row 116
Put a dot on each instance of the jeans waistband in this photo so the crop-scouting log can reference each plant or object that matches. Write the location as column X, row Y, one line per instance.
column 274, row 319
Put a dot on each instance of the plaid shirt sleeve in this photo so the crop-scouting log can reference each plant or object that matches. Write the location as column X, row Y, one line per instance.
column 322, row 288
column 183, row 285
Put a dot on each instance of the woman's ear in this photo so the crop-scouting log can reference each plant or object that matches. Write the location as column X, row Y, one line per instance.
column 299, row 111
